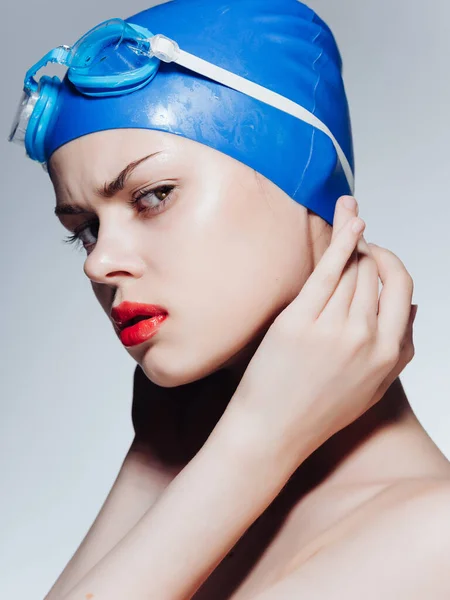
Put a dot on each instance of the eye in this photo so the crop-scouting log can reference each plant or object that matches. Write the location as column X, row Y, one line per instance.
column 162, row 194
column 86, row 235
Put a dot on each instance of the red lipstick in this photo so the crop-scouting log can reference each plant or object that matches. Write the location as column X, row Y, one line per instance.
column 136, row 323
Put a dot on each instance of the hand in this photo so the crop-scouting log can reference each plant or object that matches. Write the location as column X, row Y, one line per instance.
column 382, row 255
column 334, row 351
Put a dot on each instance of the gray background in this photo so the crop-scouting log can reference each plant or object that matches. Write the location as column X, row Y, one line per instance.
column 66, row 381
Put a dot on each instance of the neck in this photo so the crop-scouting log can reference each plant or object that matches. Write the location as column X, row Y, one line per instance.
column 385, row 444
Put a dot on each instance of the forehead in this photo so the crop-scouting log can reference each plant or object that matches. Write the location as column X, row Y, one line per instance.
column 110, row 151
column 87, row 163
column 91, row 161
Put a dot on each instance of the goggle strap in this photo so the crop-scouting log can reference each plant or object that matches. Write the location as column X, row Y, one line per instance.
column 265, row 95
column 57, row 55
column 167, row 50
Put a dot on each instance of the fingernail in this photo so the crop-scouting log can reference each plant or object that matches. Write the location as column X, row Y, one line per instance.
column 350, row 202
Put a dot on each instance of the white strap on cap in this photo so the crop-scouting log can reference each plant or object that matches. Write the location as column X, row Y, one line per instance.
column 168, row 51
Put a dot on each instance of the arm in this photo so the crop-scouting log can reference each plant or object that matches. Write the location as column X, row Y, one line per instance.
column 147, row 469
column 135, row 489
column 197, row 519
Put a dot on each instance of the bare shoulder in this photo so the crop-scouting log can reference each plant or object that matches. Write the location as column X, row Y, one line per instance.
column 425, row 499
column 396, row 546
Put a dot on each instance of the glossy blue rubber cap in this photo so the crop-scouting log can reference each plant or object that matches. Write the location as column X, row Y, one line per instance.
column 280, row 44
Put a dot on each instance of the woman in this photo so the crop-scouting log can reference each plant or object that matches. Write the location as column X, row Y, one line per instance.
column 276, row 455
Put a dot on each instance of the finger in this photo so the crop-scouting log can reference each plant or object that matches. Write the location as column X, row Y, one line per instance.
column 338, row 306
column 408, row 337
column 364, row 305
column 394, row 305
column 406, row 355
column 346, row 208
column 324, row 279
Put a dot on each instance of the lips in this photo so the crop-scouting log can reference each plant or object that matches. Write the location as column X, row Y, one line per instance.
column 136, row 322
column 128, row 313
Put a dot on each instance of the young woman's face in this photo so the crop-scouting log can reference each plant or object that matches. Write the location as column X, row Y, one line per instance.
column 222, row 250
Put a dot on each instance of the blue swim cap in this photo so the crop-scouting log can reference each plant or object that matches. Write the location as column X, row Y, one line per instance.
column 280, row 44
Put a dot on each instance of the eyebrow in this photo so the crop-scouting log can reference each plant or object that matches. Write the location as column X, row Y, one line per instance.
column 108, row 190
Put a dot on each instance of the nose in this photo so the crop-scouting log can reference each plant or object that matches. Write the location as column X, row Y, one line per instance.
column 112, row 259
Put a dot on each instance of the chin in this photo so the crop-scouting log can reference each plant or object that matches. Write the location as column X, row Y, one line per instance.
column 169, row 369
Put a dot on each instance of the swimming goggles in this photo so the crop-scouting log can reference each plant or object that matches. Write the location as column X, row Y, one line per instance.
column 117, row 57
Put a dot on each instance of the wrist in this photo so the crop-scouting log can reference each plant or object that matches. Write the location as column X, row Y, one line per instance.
column 256, row 449
column 255, row 442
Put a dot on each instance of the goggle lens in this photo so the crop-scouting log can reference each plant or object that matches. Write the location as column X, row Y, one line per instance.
column 19, row 126
column 111, row 48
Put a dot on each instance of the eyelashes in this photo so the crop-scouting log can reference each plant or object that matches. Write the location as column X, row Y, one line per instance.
column 165, row 189
column 81, row 233
column 77, row 237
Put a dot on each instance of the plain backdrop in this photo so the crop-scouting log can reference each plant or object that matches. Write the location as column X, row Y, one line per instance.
column 66, row 380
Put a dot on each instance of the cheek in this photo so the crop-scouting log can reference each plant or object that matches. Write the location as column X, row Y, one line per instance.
column 103, row 295
column 230, row 280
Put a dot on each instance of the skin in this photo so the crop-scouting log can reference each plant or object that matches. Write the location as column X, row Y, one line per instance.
column 217, row 206
column 360, row 497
